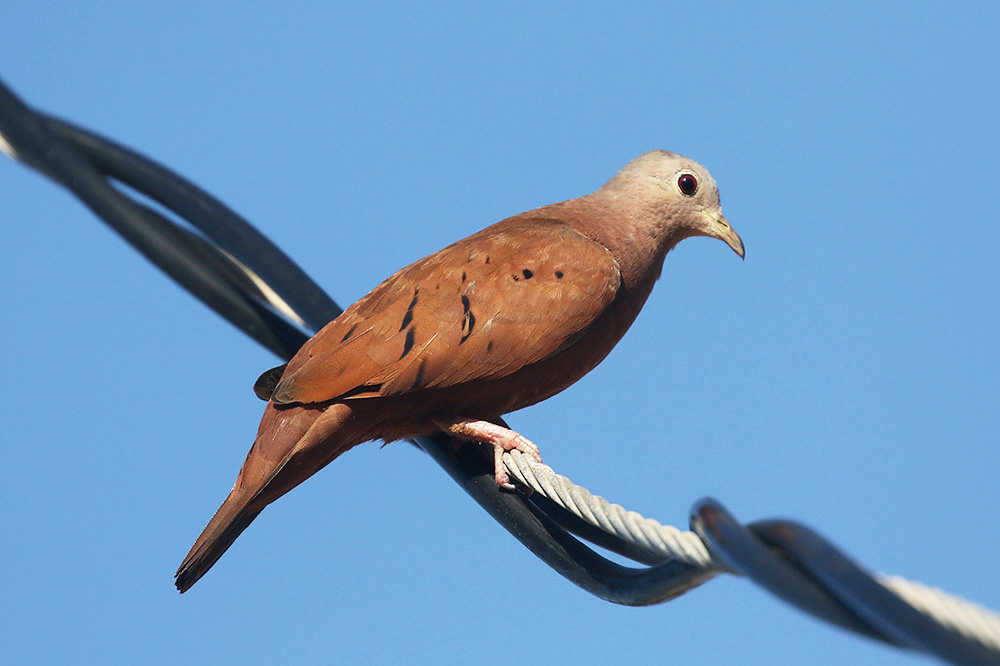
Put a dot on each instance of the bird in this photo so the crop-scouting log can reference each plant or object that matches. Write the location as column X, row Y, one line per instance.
column 492, row 323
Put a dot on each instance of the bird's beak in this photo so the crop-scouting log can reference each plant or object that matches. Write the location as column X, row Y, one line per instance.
column 724, row 232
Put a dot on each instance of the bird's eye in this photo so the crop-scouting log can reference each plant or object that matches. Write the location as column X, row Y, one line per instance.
column 688, row 184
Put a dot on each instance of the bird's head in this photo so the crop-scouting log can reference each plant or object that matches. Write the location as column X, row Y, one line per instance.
column 672, row 197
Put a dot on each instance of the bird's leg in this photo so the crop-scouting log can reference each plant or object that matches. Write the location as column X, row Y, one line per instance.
column 502, row 439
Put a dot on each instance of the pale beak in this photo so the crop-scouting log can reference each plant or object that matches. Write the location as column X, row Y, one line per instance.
column 724, row 232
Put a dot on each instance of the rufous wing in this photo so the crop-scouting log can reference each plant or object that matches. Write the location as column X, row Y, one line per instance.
column 508, row 296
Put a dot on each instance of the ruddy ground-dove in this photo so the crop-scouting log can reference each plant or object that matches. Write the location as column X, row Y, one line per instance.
column 497, row 321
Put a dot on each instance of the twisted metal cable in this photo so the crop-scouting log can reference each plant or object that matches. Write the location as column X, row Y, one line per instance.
column 965, row 617
column 666, row 540
column 968, row 618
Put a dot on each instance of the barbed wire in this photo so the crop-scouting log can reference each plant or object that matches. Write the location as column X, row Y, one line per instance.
column 225, row 262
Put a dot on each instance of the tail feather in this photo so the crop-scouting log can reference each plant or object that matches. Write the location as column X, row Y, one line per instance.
column 312, row 436
column 220, row 533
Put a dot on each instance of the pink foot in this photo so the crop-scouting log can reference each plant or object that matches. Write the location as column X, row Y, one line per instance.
column 502, row 439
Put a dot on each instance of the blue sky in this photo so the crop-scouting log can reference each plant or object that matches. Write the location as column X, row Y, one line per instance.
column 844, row 375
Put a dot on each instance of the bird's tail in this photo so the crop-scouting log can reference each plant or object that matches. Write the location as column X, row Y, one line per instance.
column 234, row 516
column 311, row 436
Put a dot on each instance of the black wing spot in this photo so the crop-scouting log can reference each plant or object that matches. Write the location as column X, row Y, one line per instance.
column 408, row 317
column 487, row 258
column 527, row 274
column 349, row 333
column 559, row 275
column 468, row 319
column 489, row 346
column 418, row 382
column 515, row 276
column 463, row 276
column 408, row 343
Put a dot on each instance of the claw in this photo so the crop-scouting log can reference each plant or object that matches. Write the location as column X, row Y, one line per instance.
column 502, row 439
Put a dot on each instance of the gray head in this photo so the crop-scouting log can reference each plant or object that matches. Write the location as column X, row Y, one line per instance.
column 673, row 196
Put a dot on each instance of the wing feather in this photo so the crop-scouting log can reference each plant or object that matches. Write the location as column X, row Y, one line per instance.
column 482, row 308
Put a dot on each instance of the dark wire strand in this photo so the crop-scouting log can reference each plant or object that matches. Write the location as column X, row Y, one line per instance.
column 197, row 266
column 858, row 589
column 737, row 545
column 799, row 566
column 214, row 219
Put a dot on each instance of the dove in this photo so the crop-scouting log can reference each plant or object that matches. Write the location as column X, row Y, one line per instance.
column 495, row 322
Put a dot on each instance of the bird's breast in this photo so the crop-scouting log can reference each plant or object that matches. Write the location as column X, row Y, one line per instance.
column 545, row 378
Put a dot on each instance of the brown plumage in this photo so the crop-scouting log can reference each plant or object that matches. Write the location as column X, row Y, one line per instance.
column 497, row 321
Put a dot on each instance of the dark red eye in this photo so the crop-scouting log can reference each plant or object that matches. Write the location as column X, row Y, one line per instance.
column 688, row 184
